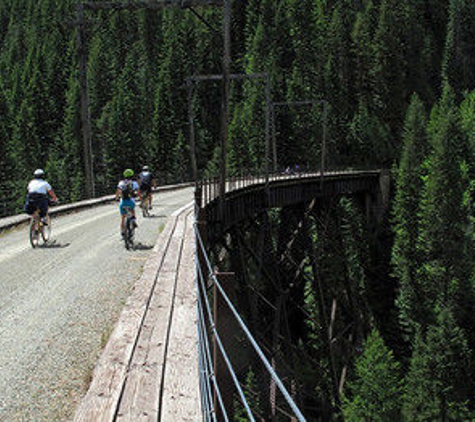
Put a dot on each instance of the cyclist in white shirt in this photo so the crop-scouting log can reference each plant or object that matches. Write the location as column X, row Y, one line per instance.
column 39, row 191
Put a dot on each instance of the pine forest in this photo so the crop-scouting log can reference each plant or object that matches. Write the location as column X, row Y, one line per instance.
column 397, row 78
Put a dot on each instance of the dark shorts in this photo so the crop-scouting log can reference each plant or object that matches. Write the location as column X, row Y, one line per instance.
column 36, row 201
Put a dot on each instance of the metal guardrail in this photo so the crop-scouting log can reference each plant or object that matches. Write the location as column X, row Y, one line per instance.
column 209, row 189
column 206, row 328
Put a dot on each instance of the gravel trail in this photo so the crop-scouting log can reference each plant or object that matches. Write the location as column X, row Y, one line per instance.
column 58, row 304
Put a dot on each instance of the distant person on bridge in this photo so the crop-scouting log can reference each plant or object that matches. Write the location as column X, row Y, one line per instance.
column 39, row 192
column 127, row 189
column 146, row 183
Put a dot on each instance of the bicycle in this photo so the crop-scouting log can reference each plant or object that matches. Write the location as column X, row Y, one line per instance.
column 39, row 229
column 129, row 229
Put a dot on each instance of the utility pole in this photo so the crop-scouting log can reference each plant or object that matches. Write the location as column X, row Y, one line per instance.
column 225, row 100
column 132, row 5
column 191, row 80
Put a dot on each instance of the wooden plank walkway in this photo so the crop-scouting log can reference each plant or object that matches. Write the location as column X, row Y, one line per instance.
column 149, row 367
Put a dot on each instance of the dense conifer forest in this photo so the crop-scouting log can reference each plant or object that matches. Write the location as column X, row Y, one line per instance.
column 398, row 77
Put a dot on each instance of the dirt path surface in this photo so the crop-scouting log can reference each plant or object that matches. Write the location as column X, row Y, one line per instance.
column 58, row 304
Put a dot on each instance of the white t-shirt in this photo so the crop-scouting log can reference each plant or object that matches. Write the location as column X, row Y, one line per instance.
column 39, row 186
column 123, row 184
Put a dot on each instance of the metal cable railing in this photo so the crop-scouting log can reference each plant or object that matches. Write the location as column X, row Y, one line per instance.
column 204, row 302
column 210, row 188
column 212, row 327
column 207, row 376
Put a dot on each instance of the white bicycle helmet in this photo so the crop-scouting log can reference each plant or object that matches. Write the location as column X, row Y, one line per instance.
column 39, row 173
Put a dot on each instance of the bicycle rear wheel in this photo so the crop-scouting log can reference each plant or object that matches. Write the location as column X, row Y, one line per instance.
column 34, row 233
column 46, row 229
column 129, row 234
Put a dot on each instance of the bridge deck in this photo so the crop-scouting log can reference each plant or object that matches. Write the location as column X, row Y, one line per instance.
column 148, row 369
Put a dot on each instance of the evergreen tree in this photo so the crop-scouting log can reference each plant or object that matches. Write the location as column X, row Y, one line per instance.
column 389, row 67
column 405, row 258
column 362, row 51
column 368, row 140
column 375, row 390
column 459, row 57
column 439, row 384
column 168, row 107
column 445, row 242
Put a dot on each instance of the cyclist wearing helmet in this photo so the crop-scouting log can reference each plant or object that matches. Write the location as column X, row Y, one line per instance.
column 39, row 191
column 126, row 190
column 146, row 182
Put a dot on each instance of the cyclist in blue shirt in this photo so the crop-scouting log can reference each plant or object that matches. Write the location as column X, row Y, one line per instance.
column 127, row 190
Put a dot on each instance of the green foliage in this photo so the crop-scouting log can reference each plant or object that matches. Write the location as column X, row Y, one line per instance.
column 366, row 59
column 368, row 139
column 375, row 389
column 439, row 385
column 445, row 240
column 459, row 59
column 405, row 257
column 250, row 392
column 348, row 53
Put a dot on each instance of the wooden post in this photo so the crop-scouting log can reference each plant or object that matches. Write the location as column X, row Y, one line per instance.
column 125, row 5
column 85, row 114
column 225, row 101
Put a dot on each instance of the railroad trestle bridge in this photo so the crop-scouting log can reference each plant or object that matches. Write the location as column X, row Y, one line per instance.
column 257, row 241
column 217, row 323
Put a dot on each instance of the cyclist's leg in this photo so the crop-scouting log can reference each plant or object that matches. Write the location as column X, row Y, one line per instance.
column 43, row 207
column 123, row 215
column 132, row 212
column 36, row 217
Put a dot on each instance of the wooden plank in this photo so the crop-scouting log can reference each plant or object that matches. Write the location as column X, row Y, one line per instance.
column 101, row 400
column 181, row 392
column 140, row 400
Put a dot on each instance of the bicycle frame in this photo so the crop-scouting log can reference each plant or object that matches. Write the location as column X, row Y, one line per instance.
column 38, row 229
column 128, row 229
column 145, row 205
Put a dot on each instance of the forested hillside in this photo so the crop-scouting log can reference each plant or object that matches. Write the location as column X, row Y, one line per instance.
column 397, row 76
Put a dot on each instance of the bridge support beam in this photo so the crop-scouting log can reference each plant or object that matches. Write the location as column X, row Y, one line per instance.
column 303, row 273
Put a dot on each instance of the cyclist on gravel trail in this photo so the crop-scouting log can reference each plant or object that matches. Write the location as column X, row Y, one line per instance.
column 127, row 190
column 146, row 182
column 39, row 191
